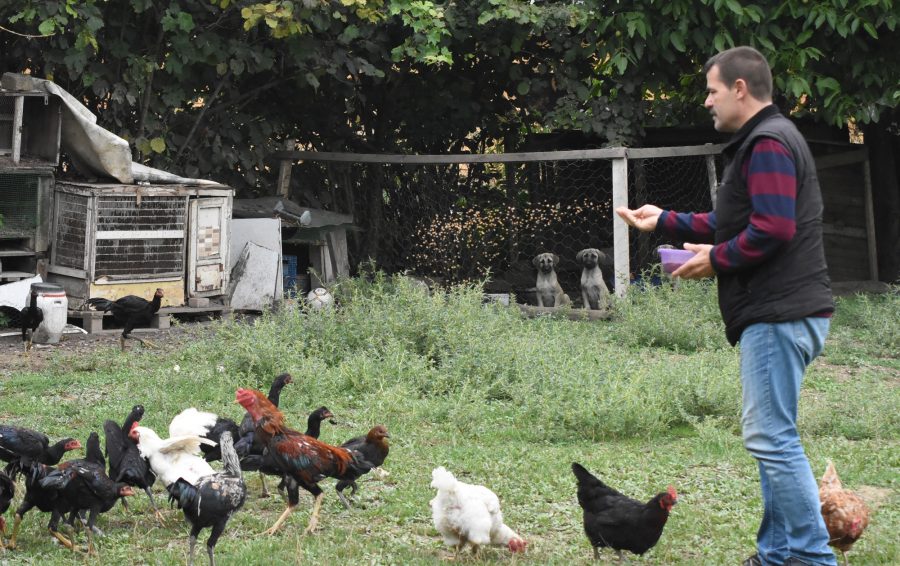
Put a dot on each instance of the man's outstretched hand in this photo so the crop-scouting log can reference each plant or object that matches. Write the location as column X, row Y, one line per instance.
column 644, row 218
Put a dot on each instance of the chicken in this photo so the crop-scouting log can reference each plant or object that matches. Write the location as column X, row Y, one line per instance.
column 246, row 445
column 36, row 496
column 7, row 492
column 258, row 458
column 31, row 317
column 619, row 522
column 213, row 500
column 205, row 425
column 130, row 311
column 314, row 421
column 846, row 514
column 172, row 458
column 469, row 514
column 374, row 449
column 247, row 427
column 21, row 447
column 84, row 486
column 125, row 461
column 303, row 460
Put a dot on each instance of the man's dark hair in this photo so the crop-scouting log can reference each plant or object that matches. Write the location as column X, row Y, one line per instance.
column 744, row 63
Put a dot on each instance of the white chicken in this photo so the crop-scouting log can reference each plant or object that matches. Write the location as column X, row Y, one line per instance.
column 469, row 514
column 177, row 456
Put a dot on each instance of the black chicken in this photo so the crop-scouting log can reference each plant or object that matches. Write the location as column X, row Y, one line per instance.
column 125, row 461
column 7, row 492
column 83, row 486
column 619, row 522
column 374, row 449
column 46, row 500
column 20, row 447
column 130, row 311
column 32, row 316
column 213, row 500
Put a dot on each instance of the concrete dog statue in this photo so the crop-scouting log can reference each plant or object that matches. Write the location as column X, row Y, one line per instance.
column 549, row 291
column 594, row 293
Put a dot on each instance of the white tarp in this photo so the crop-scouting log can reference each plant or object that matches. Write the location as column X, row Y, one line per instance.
column 18, row 293
column 91, row 148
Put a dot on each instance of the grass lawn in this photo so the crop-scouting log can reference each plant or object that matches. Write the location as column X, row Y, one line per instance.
column 647, row 399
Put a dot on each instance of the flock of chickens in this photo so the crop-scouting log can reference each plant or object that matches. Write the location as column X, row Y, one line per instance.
column 463, row 514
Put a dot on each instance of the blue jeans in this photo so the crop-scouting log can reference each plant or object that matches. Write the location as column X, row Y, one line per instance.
column 774, row 357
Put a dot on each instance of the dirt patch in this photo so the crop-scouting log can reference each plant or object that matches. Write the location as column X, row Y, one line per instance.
column 874, row 496
column 13, row 357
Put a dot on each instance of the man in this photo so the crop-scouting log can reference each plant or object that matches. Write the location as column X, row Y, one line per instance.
column 773, row 286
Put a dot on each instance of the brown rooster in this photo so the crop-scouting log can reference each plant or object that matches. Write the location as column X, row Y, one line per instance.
column 846, row 515
column 302, row 460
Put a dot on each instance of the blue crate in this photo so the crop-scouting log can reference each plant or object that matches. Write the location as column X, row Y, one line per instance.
column 290, row 286
column 289, row 265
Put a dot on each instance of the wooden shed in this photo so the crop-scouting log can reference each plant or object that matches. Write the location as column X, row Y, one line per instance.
column 30, row 126
column 110, row 240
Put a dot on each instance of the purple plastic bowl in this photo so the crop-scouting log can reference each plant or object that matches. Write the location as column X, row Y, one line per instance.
column 673, row 259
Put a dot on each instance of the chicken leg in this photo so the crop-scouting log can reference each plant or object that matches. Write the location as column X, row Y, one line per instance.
column 314, row 516
column 15, row 532
column 281, row 520
column 262, row 480
column 156, row 512
column 62, row 539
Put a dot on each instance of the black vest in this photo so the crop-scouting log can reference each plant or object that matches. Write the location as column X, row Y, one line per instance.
column 793, row 283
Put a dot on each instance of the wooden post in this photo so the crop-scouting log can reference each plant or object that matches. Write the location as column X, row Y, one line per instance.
column 284, row 172
column 19, row 102
column 870, row 221
column 713, row 181
column 621, row 252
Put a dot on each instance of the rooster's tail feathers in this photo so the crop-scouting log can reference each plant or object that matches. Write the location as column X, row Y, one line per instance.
column 229, row 457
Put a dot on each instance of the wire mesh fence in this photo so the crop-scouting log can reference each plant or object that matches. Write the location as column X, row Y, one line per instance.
column 467, row 217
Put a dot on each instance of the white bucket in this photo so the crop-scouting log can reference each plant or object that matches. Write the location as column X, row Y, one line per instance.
column 52, row 300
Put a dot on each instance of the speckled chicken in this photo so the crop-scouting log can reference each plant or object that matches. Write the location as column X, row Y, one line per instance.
column 213, row 500
column 846, row 514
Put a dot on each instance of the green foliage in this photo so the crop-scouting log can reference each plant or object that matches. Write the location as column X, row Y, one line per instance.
column 683, row 317
column 863, row 316
column 236, row 78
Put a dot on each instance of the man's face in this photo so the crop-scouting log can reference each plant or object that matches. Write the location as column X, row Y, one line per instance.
column 722, row 103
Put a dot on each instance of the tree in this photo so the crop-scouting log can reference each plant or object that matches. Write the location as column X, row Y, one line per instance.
column 236, row 78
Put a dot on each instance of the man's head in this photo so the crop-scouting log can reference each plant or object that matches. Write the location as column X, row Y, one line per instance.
column 738, row 85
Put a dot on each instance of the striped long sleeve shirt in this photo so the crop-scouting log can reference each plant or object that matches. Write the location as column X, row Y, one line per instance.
column 771, row 178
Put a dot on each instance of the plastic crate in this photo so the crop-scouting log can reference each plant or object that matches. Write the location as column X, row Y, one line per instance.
column 289, row 266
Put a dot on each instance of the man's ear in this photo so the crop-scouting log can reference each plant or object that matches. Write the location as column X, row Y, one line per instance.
column 740, row 88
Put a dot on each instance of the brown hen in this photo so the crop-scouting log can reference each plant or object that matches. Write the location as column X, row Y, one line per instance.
column 846, row 514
